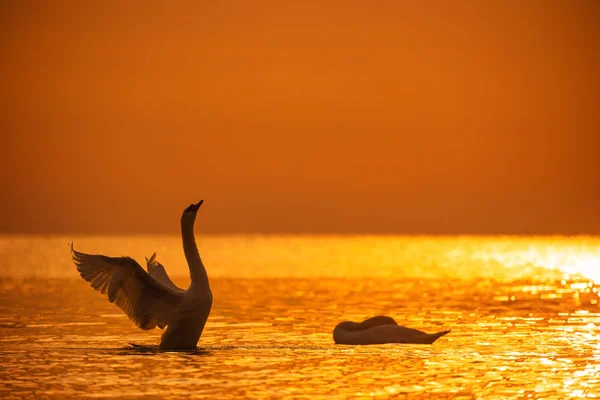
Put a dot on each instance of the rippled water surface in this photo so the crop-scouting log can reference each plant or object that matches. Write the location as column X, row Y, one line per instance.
column 523, row 312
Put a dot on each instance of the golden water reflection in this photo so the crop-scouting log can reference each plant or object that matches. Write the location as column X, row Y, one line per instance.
column 523, row 312
column 256, row 256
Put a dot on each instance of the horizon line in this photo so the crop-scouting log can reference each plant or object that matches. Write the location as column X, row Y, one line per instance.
column 253, row 233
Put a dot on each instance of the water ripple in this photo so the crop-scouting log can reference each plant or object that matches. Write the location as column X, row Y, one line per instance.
column 520, row 329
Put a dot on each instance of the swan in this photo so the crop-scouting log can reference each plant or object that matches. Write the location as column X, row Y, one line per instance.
column 380, row 330
column 158, row 272
column 148, row 302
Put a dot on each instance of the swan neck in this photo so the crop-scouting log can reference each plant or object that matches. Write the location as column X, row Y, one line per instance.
column 197, row 270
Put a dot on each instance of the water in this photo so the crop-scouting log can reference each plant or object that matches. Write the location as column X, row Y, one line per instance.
column 523, row 312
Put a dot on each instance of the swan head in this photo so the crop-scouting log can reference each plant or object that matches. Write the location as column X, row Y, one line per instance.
column 343, row 329
column 189, row 214
column 151, row 263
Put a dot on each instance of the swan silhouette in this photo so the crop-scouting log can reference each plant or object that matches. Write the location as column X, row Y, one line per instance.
column 148, row 302
column 158, row 272
column 380, row 330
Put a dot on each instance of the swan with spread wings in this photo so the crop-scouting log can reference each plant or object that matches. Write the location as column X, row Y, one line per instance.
column 150, row 301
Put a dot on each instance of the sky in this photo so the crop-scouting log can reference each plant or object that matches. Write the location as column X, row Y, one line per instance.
column 389, row 117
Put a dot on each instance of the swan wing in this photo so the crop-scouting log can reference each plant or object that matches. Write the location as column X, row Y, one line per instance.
column 145, row 301
column 150, row 261
column 159, row 273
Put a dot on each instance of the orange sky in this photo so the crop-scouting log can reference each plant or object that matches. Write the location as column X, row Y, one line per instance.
column 325, row 116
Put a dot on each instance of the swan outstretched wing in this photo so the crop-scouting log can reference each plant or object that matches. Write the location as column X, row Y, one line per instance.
column 145, row 301
column 158, row 272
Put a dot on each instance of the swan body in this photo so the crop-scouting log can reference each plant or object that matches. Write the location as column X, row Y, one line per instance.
column 150, row 301
column 380, row 330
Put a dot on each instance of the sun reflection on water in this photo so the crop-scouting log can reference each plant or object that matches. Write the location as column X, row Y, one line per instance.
column 523, row 312
column 576, row 260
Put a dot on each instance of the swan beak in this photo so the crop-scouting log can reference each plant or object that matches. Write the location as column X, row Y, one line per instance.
column 195, row 207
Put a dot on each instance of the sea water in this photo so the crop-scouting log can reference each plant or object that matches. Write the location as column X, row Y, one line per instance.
column 523, row 312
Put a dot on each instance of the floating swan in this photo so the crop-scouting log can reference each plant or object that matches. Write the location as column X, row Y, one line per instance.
column 148, row 302
column 158, row 272
column 380, row 330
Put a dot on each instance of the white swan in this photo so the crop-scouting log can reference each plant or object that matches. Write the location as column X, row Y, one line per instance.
column 380, row 330
column 158, row 272
column 147, row 302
